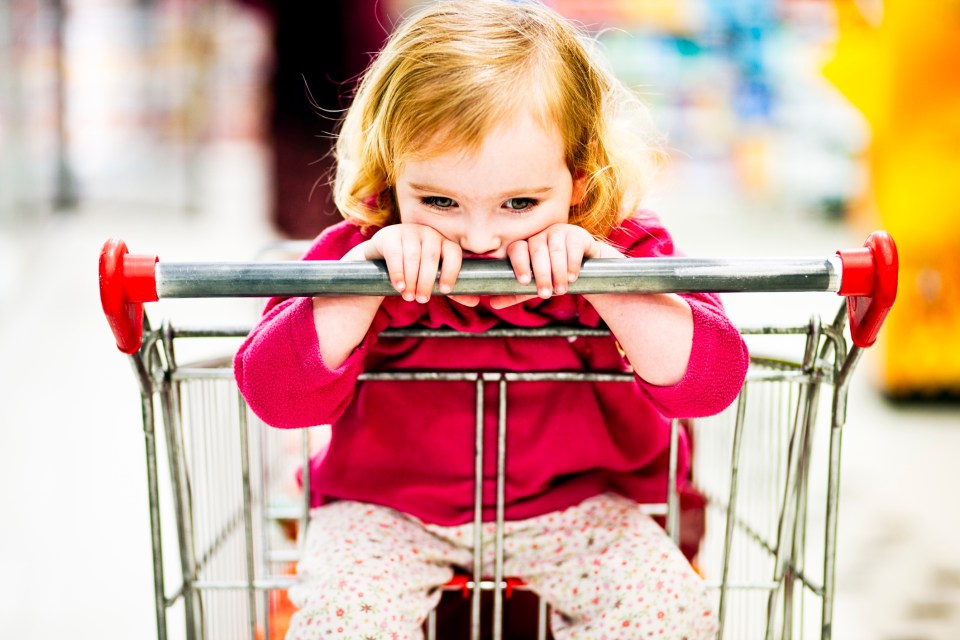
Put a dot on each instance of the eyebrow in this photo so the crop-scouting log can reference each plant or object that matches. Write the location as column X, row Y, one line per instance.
column 427, row 188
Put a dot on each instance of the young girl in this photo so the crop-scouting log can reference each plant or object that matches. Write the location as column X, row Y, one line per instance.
column 486, row 129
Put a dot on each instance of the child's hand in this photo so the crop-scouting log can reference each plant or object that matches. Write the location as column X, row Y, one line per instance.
column 552, row 258
column 414, row 254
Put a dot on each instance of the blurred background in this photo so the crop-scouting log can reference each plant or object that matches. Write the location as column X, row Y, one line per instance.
column 199, row 130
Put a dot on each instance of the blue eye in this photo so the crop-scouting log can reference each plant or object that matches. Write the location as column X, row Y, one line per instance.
column 438, row 202
column 520, row 204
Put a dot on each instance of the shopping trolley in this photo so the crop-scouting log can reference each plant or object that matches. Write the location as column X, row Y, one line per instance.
column 767, row 467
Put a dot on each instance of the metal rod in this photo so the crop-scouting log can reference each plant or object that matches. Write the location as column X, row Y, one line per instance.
column 673, row 498
column 798, row 542
column 304, row 516
column 795, row 485
column 263, row 566
column 270, row 583
column 648, row 275
column 549, row 331
column 783, row 524
column 731, row 506
column 283, row 556
column 842, row 384
column 785, row 375
column 477, row 514
column 153, row 492
column 797, row 462
column 183, row 502
column 830, row 534
column 838, row 419
column 501, row 510
column 741, row 586
column 171, row 600
column 247, row 516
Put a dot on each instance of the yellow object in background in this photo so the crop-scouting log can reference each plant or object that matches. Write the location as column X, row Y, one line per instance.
column 903, row 74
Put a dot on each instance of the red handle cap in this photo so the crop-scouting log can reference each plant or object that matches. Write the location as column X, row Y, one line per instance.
column 126, row 282
column 870, row 282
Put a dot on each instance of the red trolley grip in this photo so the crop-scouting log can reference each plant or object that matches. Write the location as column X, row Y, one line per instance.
column 126, row 282
column 870, row 282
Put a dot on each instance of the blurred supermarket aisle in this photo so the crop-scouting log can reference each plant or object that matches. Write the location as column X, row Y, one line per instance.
column 752, row 176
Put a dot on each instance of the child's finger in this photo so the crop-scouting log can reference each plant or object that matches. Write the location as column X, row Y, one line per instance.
column 575, row 250
column 451, row 257
column 411, row 263
column 466, row 300
column 519, row 254
column 429, row 264
column 500, row 302
column 391, row 249
column 540, row 263
column 557, row 245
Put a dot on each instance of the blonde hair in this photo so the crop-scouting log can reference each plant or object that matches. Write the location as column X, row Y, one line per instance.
column 457, row 69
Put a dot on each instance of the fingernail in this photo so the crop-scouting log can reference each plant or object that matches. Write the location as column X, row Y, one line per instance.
column 445, row 288
column 422, row 299
column 523, row 279
column 544, row 293
column 399, row 286
column 572, row 278
column 561, row 290
column 408, row 297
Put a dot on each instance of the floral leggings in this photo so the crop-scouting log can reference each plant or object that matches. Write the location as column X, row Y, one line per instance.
column 606, row 569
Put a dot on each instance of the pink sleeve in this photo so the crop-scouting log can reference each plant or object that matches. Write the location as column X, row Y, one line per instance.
column 719, row 357
column 717, row 367
column 278, row 367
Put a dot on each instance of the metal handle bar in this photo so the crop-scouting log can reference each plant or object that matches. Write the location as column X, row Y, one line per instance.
column 487, row 277
column 867, row 275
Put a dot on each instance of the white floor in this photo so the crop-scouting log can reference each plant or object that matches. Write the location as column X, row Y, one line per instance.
column 74, row 543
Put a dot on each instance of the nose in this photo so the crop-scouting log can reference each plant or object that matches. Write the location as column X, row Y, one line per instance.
column 479, row 239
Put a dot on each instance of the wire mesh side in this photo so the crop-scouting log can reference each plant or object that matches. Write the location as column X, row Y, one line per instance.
column 244, row 506
column 774, row 556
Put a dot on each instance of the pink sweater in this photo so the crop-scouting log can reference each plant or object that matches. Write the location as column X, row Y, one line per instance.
column 409, row 445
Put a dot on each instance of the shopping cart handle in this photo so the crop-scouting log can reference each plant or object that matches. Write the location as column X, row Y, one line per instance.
column 870, row 282
column 126, row 282
column 867, row 276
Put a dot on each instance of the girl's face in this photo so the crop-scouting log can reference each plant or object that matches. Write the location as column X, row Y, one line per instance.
column 515, row 186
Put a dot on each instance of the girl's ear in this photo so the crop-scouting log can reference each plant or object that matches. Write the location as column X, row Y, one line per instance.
column 579, row 188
